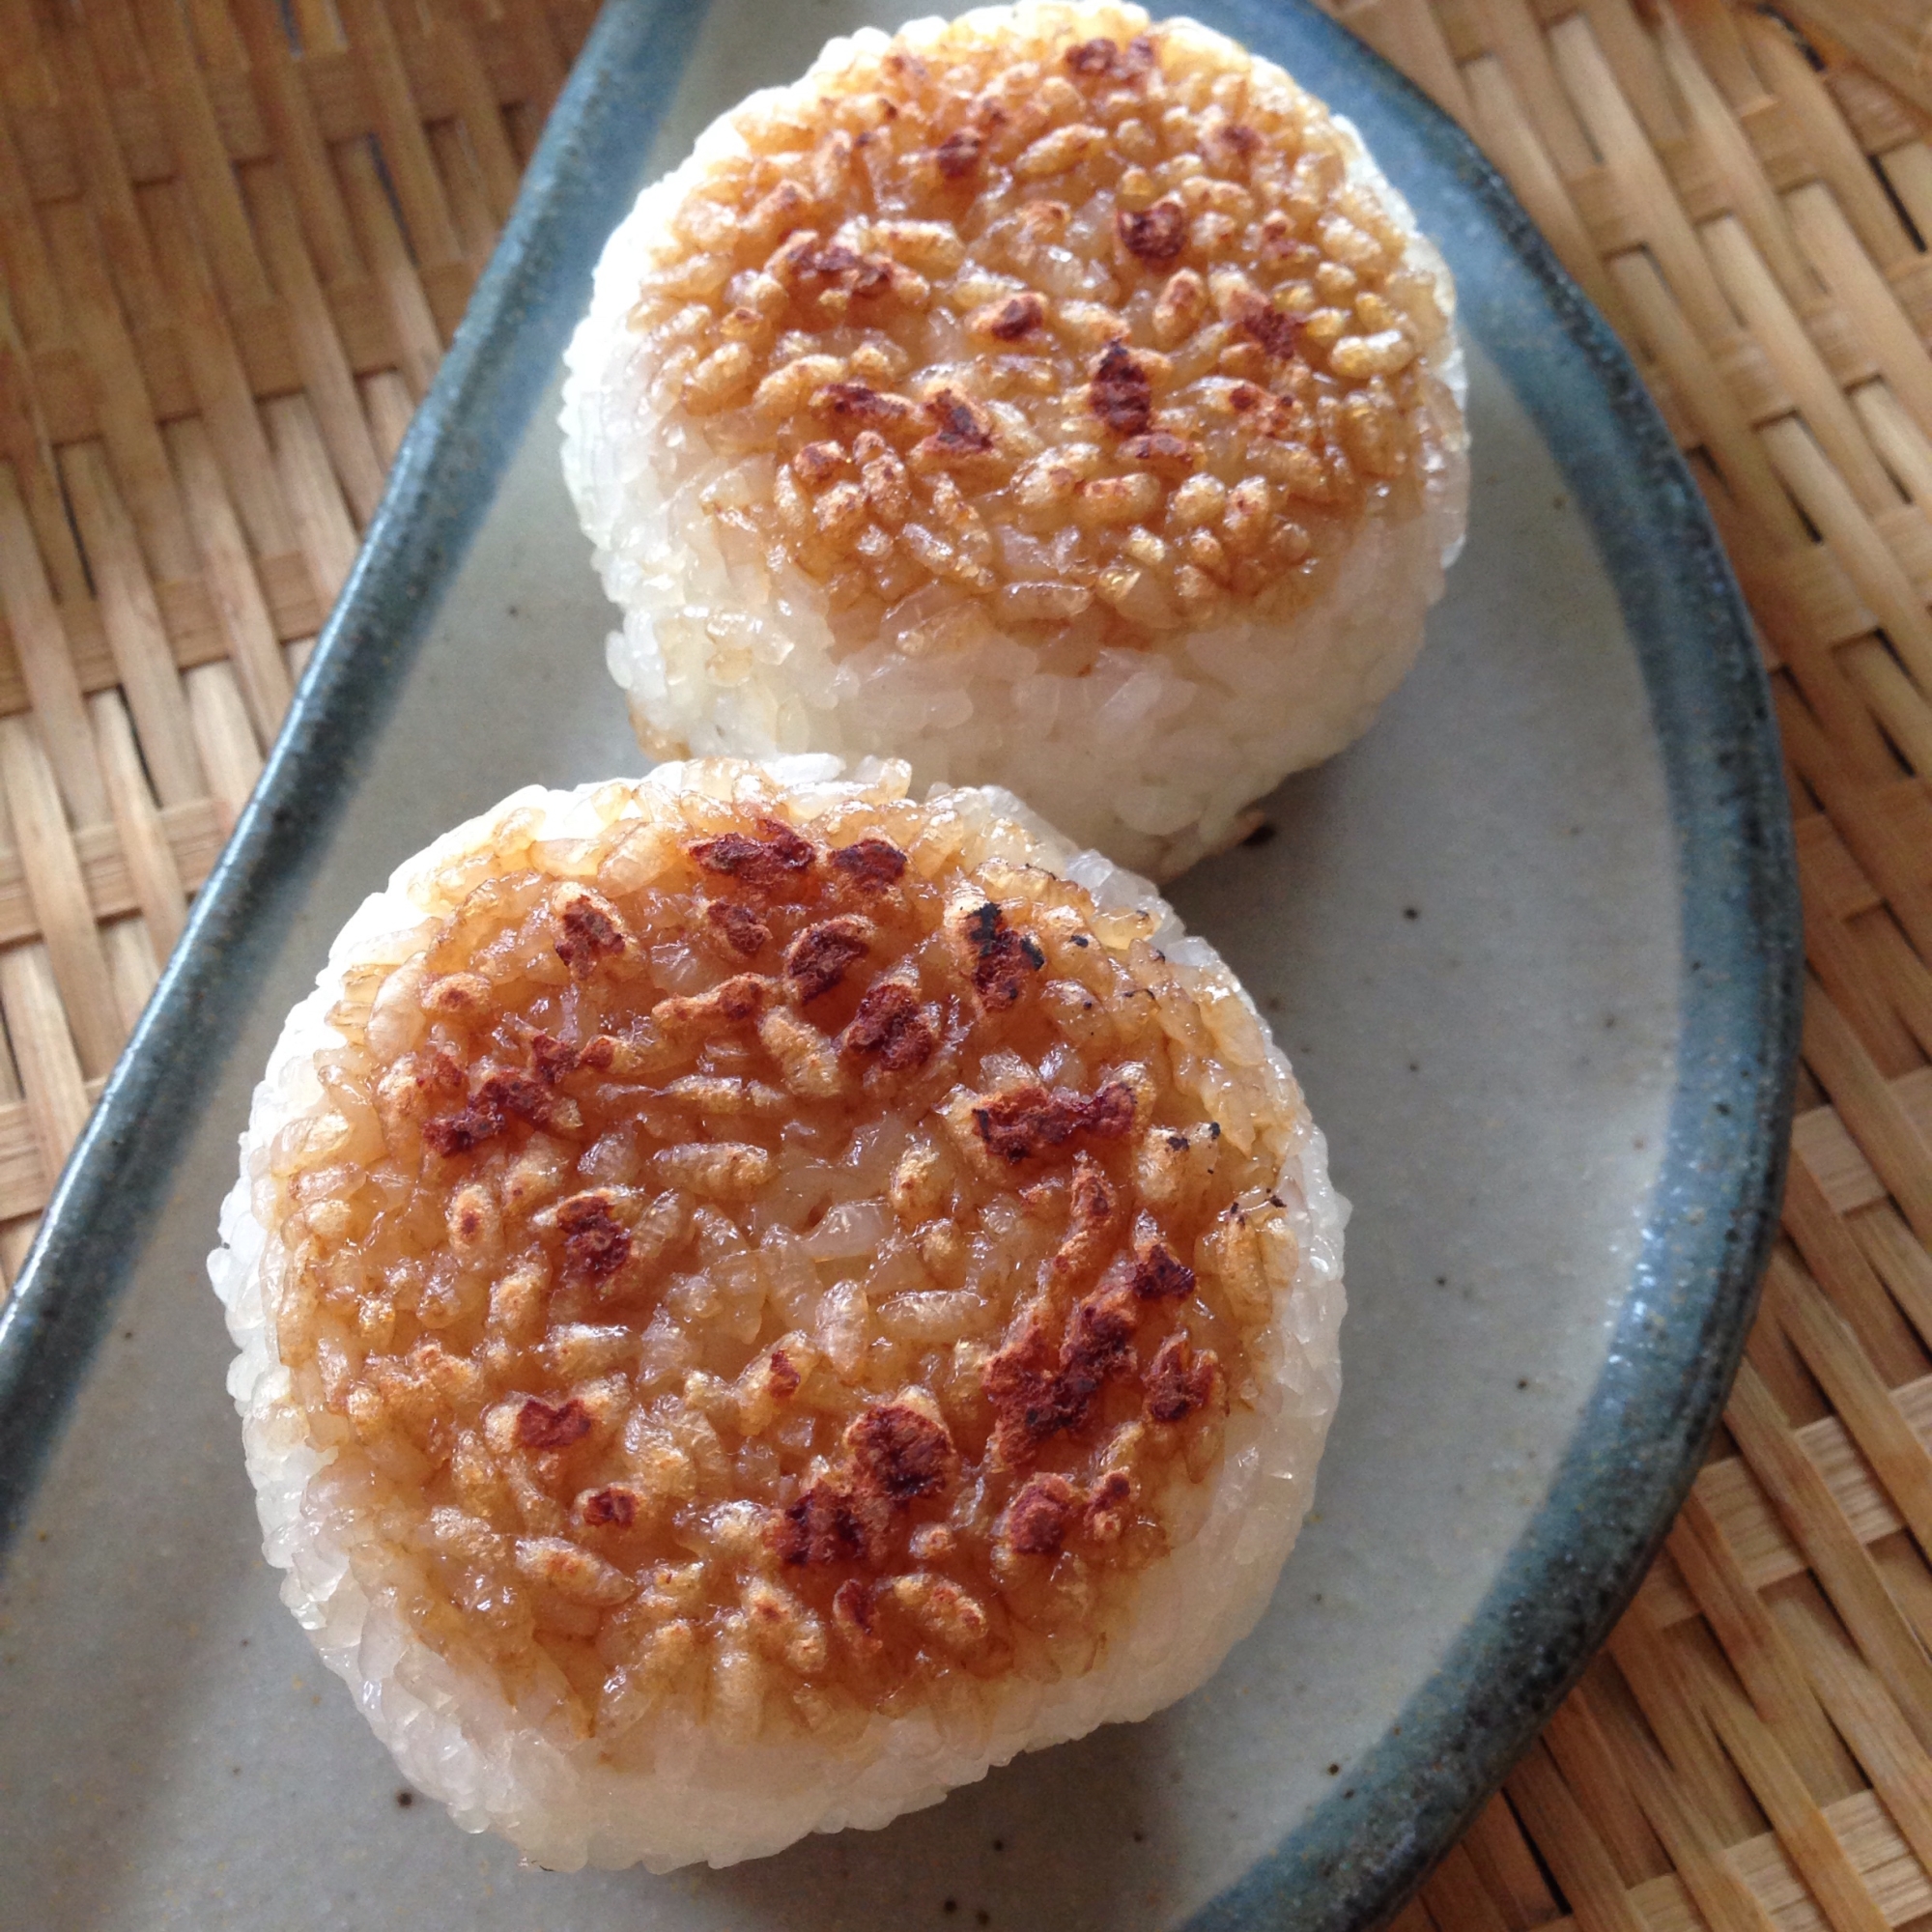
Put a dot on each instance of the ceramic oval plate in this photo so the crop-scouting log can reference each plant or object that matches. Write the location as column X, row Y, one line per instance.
column 1531, row 943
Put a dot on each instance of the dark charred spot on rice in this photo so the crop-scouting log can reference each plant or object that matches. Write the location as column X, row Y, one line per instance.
column 891, row 1024
column 1107, row 1504
column 1009, row 319
column 1003, row 960
column 899, row 1454
column 858, row 274
column 740, row 927
column 595, row 1241
column 540, row 1425
column 1179, row 1380
column 1091, row 1203
column 963, row 427
column 861, row 404
column 816, row 960
column 1156, row 233
column 773, row 860
column 1089, row 1217
column 1029, row 1399
column 1119, row 391
column 1158, row 1276
column 982, row 926
column 871, row 863
column 552, row 1059
column 782, row 1377
column 612, row 1507
column 592, row 931
column 819, row 462
column 1103, row 59
column 451, row 1134
column 1162, row 450
column 1110, row 1113
column 958, row 155
column 508, row 1092
column 1271, row 416
column 852, row 1615
column 734, row 855
column 455, row 996
column 1030, row 1121
column 1038, row 1515
column 895, row 1454
column 1099, row 1340
column 1037, row 1393
column 598, row 1053
column 1235, row 138
column 1275, row 330
column 730, row 1003
column 438, row 1070
column 822, row 1526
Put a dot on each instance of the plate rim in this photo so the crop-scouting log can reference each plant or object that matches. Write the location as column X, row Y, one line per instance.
column 1361, row 1851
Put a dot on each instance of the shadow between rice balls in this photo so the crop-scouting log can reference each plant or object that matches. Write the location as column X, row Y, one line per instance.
column 769, row 1270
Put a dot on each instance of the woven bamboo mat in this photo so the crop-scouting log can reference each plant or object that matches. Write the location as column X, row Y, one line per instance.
column 230, row 256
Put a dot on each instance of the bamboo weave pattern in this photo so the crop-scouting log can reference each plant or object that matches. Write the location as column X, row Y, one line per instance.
column 230, row 255
column 232, row 243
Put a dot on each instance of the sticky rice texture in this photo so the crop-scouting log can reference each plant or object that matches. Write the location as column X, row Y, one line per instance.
column 497, row 1767
column 1150, row 753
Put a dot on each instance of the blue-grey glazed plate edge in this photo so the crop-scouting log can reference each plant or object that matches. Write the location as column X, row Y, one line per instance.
column 1355, row 1859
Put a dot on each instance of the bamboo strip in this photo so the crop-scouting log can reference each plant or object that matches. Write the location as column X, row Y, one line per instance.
column 57, row 1098
column 1896, row 1762
column 154, row 870
column 59, row 894
column 1757, row 1650
column 1832, row 1549
column 35, row 628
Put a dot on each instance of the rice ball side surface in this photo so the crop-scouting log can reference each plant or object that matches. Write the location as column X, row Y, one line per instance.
column 759, row 1299
column 1049, row 397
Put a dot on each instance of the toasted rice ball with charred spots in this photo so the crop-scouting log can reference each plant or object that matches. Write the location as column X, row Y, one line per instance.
column 1013, row 395
column 745, row 1256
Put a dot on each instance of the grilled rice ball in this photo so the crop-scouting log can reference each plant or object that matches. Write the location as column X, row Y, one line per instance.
column 1050, row 398
column 759, row 1299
